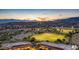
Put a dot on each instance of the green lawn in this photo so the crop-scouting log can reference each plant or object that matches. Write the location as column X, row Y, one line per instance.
column 49, row 37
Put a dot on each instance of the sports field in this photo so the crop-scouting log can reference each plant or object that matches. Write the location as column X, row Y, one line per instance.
column 49, row 37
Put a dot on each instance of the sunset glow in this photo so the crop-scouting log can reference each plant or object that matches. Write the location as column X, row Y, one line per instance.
column 38, row 14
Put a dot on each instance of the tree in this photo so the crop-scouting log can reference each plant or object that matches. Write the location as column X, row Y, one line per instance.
column 58, row 41
column 32, row 39
column 63, row 39
column 76, row 31
column 47, row 40
column 26, row 39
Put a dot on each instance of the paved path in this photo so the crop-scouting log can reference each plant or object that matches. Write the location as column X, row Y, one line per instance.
column 63, row 46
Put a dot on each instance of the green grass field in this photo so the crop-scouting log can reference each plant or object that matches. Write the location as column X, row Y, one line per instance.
column 48, row 36
column 66, row 30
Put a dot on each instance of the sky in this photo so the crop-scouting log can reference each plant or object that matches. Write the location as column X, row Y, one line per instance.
column 38, row 14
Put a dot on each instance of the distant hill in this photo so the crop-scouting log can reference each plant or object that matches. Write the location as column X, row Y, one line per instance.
column 12, row 20
column 68, row 22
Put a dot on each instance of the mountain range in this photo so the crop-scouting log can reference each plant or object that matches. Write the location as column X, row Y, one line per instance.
column 12, row 20
column 68, row 22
